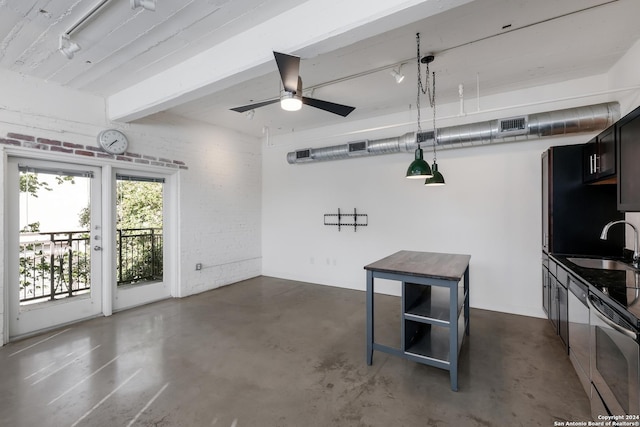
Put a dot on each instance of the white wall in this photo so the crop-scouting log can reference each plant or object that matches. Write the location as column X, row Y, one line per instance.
column 219, row 192
column 490, row 207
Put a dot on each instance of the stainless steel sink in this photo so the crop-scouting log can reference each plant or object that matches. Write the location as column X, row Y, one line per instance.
column 601, row 264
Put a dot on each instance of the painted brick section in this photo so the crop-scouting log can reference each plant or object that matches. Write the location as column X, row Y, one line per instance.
column 49, row 141
column 28, row 141
column 10, row 142
column 37, row 146
column 84, row 153
column 21, row 137
column 61, row 150
column 72, row 145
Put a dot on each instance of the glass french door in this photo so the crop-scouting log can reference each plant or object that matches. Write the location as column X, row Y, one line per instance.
column 140, row 243
column 55, row 261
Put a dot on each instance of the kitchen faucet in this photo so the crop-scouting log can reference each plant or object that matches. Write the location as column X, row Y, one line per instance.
column 605, row 230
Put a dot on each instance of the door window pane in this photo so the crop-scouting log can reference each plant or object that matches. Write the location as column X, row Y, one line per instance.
column 139, row 233
column 54, row 235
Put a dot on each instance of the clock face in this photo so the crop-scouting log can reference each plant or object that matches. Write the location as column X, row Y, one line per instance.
column 113, row 141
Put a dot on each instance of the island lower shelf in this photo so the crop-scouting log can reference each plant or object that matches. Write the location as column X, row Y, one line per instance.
column 430, row 341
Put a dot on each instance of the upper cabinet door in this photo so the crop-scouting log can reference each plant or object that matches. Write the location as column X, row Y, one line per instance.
column 599, row 157
column 606, row 161
column 628, row 155
column 589, row 158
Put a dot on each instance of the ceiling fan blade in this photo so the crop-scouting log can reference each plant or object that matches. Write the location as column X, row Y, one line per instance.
column 339, row 109
column 256, row 105
column 289, row 67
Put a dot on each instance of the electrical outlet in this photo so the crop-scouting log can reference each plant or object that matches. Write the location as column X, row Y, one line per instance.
column 198, row 266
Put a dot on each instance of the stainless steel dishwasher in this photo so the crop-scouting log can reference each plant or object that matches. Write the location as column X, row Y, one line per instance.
column 579, row 332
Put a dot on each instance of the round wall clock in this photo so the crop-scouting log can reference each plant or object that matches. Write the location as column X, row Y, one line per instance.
column 113, row 141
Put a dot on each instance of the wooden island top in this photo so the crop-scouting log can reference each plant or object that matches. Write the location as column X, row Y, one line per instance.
column 423, row 264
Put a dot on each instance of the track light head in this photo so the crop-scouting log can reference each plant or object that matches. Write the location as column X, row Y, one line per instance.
column 67, row 47
column 145, row 4
column 397, row 74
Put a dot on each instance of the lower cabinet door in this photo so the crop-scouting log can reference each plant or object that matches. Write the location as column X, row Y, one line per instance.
column 563, row 316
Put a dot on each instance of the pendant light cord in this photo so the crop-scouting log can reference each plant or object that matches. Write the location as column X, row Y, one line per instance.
column 420, row 88
column 430, row 91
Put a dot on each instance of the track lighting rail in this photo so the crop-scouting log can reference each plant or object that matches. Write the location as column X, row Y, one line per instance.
column 87, row 16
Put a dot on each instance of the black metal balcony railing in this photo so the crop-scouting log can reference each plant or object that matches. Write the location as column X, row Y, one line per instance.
column 56, row 265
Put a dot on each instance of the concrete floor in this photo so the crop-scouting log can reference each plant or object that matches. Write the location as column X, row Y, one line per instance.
column 272, row 352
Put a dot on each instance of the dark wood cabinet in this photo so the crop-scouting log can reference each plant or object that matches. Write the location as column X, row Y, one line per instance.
column 628, row 155
column 545, row 290
column 545, row 283
column 562, row 286
column 573, row 213
column 599, row 157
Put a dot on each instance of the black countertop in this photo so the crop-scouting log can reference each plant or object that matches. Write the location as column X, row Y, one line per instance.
column 619, row 288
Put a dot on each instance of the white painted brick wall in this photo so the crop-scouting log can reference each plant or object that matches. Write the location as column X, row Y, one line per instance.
column 219, row 189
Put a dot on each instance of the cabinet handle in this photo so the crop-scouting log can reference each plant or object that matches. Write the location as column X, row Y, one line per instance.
column 592, row 163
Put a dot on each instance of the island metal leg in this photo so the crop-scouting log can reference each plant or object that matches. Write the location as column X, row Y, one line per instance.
column 466, row 301
column 453, row 335
column 369, row 318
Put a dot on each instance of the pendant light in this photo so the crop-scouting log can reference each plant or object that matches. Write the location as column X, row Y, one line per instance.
column 418, row 169
column 436, row 178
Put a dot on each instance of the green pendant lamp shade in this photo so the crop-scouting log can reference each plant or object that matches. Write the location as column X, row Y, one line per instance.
column 436, row 179
column 419, row 169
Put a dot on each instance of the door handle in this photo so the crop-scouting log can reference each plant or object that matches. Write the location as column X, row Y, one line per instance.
column 97, row 248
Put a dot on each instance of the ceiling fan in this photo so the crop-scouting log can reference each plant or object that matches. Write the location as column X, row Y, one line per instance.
column 291, row 98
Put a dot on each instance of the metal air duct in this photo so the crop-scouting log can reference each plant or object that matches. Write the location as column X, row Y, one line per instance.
column 560, row 122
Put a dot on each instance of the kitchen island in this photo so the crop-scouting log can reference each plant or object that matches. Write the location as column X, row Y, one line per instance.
column 435, row 307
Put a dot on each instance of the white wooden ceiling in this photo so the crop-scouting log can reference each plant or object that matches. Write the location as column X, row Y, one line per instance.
column 507, row 44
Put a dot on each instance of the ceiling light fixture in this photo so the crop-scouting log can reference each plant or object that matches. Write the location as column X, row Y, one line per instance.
column 145, row 4
column 290, row 101
column 437, row 178
column 418, row 169
column 67, row 47
column 397, row 74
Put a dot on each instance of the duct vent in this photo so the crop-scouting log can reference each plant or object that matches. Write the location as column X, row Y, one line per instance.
column 513, row 126
column 304, row 155
column 358, row 147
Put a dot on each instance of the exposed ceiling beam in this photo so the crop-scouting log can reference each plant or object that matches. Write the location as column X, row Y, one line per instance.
column 307, row 30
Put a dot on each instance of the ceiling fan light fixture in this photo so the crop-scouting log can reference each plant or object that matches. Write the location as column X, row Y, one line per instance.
column 67, row 47
column 145, row 4
column 289, row 101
